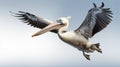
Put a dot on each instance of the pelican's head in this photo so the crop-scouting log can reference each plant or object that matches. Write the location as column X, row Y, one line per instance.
column 64, row 20
column 61, row 22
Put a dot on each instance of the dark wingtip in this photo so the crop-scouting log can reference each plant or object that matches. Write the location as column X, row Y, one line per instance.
column 12, row 13
column 102, row 5
column 15, row 14
column 94, row 5
column 21, row 12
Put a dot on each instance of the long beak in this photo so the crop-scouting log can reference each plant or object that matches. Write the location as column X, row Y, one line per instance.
column 48, row 28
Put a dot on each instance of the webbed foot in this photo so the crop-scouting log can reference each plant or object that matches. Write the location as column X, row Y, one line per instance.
column 86, row 56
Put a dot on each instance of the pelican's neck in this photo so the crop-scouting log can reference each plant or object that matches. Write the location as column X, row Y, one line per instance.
column 62, row 30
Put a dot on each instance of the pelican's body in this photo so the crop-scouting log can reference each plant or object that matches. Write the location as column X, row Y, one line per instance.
column 75, row 40
column 97, row 19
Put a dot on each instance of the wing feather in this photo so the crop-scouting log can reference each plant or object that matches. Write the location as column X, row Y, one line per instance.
column 96, row 20
column 33, row 20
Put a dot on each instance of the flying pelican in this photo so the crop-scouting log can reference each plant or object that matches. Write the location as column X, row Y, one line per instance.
column 96, row 20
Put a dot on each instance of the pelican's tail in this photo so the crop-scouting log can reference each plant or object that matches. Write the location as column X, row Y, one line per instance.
column 97, row 47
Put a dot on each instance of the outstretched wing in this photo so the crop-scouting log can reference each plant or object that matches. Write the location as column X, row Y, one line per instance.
column 97, row 19
column 33, row 20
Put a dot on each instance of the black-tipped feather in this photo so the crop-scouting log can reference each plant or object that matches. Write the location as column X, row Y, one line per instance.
column 33, row 20
column 105, row 19
column 96, row 20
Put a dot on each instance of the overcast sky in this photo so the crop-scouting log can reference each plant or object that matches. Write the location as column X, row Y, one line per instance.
column 18, row 48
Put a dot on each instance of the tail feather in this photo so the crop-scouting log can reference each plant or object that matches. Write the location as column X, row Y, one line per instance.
column 97, row 45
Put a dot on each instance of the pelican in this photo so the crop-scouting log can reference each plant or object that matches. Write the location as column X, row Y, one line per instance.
column 96, row 20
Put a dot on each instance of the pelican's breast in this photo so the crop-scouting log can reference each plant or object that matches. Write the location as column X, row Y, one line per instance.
column 72, row 38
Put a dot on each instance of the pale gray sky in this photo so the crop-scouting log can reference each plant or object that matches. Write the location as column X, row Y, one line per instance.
column 18, row 48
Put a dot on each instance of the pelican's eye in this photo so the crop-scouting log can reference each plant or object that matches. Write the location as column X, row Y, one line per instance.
column 60, row 21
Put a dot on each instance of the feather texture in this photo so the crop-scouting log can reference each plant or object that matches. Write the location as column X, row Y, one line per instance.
column 33, row 20
column 96, row 20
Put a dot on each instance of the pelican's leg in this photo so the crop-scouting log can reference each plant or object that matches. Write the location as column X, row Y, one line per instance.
column 86, row 55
